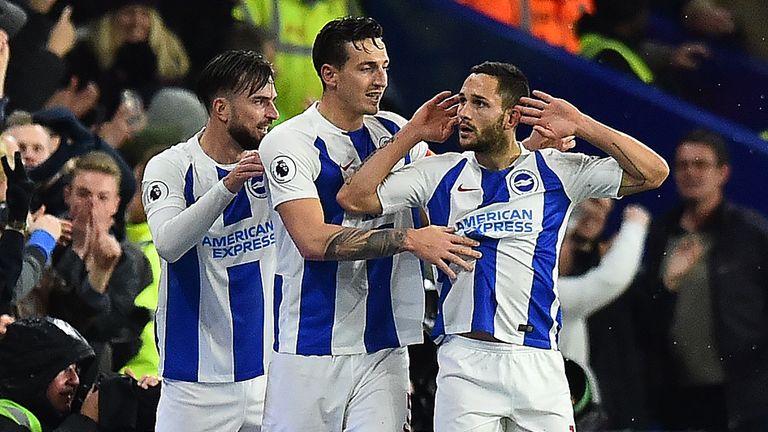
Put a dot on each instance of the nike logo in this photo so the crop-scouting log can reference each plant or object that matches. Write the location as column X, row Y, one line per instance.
column 463, row 189
column 346, row 167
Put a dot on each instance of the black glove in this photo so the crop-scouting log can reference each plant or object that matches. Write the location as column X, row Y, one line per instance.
column 20, row 189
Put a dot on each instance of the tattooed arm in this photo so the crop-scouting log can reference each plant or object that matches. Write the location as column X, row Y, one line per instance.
column 317, row 240
column 643, row 168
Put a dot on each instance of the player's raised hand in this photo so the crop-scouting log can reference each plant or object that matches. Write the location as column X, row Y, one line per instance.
column 436, row 118
column 551, row 117
column 537, row 141
column 248, row 167
column 441, row 247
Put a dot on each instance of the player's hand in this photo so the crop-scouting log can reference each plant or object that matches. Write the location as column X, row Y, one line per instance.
column 440, row 246
column 551, row 117
column 248, row 167
column 435, row 120
column 681, row 260
column 537, row 141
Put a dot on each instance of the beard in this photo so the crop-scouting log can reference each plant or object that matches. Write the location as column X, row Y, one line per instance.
column 243, row 137
column 488, row 140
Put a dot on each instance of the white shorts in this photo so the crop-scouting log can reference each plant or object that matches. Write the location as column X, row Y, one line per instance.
column 358, row 392
column 190, row 406
column 490, row 387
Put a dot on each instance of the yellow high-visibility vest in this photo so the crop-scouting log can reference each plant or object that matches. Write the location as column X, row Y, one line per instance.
column 294, row 24
column 593, row 44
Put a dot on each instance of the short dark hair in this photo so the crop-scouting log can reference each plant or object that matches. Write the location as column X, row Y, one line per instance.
column 233, row 71
column 329, row 42
column 711, row 139
column 512, row 83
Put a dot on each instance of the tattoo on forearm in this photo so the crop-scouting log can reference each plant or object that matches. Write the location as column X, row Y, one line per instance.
column 636, row 177
column 356, row 244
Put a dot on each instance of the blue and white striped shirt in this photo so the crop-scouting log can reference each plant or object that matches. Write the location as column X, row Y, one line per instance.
column 519, row 216
column 345, row 307
column 214, row 314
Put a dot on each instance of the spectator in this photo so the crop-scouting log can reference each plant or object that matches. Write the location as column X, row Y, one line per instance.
column 94, row 281
column 75, row 140
column 706, row 289
column 40, row 48
column 615, row 36
column 129, row 47
column 40, row 363
column 17, row 196
column 35, row 142
column 591, row 285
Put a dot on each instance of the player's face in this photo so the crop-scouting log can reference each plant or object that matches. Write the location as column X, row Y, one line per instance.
column 361, row 82
column 697, row 174
column 481, row 115
column 252, row 115
column 95, row 193
column 61, row 390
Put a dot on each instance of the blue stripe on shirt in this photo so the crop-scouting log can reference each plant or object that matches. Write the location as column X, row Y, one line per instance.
column 556, row 204
column 439, row 206
column 182, row 343
column 318, row 284
column 246, row 303
column 380, row 330
column 239, row 208
column 494, row 186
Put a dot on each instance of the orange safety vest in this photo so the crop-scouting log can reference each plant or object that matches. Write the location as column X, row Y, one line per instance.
column 553, row 21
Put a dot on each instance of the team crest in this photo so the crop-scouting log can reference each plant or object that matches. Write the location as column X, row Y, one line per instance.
column 156, row 191
column 283, row 169
column 257, row 187
column 523, row 182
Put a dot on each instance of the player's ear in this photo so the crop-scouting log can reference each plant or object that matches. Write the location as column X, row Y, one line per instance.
column 511, row 118
column 220, row 109
column 329, row 75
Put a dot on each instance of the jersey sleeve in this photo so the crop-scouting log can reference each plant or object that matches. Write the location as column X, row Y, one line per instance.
column 175, row 227
column 291, row 165
column 586, row 176
column 411, row 186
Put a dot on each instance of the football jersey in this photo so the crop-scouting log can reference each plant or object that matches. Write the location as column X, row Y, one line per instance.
column 214, row 314
column 338, row 307
column 519, row 216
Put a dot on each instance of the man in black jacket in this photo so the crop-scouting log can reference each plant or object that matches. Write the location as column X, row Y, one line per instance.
column 40, row 361
column 705, row 288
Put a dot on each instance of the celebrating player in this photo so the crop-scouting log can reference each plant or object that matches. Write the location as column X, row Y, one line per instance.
column 206, row 204
column 498, row 323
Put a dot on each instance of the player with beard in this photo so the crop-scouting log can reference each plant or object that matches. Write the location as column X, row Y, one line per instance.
column 206, row 205
column 498, row 323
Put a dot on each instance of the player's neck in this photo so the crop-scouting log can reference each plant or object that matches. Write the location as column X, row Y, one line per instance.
column 501, row 158
column 219, row 145
column 334, row 111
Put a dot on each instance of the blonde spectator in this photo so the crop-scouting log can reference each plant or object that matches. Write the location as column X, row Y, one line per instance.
column 133, row 22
